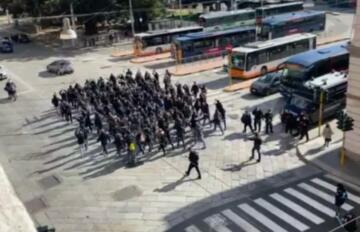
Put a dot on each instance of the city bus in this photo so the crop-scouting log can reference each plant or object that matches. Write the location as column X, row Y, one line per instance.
column 155, row 42
column 309, row 65
column 227, row 19
column 258, row 58
column 210, row 44
column 291, row 23
column 275, row 9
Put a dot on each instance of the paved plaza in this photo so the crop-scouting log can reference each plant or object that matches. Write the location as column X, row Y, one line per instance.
column 97, row 192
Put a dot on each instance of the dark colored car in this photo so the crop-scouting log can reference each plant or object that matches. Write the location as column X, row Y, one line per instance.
column 267, row 84
column 60, row 67
column 20, row 38
column 6, row 46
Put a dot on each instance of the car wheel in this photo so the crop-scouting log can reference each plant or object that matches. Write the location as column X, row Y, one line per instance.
column 158, row 50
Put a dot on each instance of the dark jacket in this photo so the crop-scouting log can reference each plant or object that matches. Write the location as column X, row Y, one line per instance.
column 194, row 158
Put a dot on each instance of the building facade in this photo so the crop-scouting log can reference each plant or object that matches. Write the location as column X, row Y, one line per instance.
column 352, row 138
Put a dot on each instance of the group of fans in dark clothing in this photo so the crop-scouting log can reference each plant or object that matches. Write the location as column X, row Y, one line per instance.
column 135, row 113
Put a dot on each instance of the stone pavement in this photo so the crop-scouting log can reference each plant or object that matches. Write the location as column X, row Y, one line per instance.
column 97, row 193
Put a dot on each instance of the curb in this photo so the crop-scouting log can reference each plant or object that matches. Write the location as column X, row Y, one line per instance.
column 327, row 168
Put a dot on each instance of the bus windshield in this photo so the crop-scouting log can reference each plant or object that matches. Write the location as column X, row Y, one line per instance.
column 238, row 60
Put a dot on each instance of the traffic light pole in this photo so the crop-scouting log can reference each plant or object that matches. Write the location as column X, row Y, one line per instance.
column 321, row 106
column 229, row 68
column 342, row 152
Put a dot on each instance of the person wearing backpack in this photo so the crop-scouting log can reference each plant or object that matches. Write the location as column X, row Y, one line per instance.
column 257, row 145
column 340, row 198
column 194, row 163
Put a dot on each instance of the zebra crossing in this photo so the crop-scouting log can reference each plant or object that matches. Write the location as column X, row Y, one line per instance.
column 306, row 205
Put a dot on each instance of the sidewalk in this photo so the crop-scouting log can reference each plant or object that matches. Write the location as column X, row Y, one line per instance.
column 13, row 215
column 146, row 59
column 328, row 159
column 194, row 67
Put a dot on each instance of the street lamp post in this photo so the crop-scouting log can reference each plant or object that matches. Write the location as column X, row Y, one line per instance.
column 131, row 18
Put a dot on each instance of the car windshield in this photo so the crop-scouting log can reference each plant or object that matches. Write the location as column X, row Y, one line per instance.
column 238, row 60
column 267, row 78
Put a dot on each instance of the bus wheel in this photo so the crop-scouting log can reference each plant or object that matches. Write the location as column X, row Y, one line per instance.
column 263, row 71
column 158, row 50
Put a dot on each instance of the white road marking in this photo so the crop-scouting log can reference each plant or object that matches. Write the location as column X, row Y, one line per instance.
column 243, row 224
column 297, row 208
column 325, row 196
column 311, row 202
column 332, row 188
column 192, row 229
column 217, row 223
column 281, row 214
column 261, row 218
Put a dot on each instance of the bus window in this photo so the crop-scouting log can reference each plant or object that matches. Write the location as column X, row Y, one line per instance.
column 238, row 61
column 265, row 30
column 187, row 47
column 251, row 61
column 278, row 52
column 300, row 46
column 224, row 41
column 202, row 22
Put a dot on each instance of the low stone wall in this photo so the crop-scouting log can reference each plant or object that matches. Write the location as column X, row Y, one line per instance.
column 13, row 215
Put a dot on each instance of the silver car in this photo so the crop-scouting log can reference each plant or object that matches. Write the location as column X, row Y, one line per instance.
column 267, row 84
column 60, row 67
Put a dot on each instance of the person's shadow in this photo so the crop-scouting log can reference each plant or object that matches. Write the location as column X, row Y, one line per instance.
column 171, row 186
column 238, row 167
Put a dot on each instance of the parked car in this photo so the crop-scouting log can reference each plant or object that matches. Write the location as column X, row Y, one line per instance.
column 267, row 84
column 20, row 38
column 6, row 46
column 3, row 74
column 60, row 67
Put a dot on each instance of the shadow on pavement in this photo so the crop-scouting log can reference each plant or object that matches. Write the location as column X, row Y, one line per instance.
column 171, row 186
column 238, row 167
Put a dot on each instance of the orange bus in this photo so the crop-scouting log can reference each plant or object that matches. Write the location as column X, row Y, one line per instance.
column 258, row 58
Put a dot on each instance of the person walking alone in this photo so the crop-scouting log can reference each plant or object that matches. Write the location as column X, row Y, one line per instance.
column 327, row 133
column 340, row 198
column 194, row 163
column 256, row 147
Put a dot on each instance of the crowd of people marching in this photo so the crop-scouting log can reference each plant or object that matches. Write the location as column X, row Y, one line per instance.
column 136, row 114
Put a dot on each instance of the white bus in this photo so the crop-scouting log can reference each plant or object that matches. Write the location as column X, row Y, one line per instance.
column 227, row 19
column 258, row 58
column 155, row 42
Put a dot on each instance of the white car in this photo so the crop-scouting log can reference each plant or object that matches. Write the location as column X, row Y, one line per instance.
column 3, row 74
